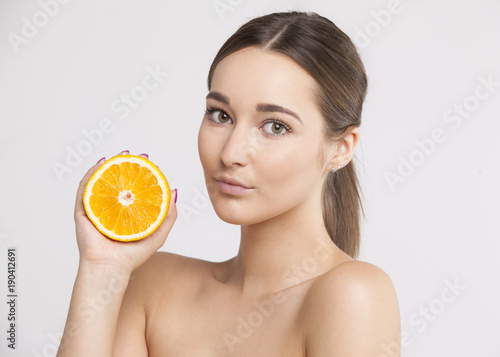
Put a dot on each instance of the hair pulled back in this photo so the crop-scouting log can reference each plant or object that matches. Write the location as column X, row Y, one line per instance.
column 329, row 56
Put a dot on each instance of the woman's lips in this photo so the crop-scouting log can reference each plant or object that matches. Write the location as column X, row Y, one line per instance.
column 231, row 186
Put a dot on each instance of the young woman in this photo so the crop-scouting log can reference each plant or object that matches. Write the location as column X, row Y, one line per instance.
column 276, row 143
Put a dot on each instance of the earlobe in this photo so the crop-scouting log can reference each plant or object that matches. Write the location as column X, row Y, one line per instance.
column 336, row 168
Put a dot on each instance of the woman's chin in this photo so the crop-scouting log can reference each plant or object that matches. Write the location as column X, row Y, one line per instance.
column 232, row 210
column 234, row 217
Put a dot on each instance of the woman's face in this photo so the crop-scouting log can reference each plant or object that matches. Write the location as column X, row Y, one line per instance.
column 261, row 141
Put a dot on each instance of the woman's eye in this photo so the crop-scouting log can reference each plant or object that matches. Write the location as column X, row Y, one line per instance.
column 219, row 116
column 276, row 128
column 222, row 117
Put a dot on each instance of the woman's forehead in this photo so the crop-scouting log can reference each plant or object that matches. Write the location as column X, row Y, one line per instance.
column 262, row 75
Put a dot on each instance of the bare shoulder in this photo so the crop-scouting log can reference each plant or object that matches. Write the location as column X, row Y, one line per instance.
column 354, row 284
column 149, row 285
column 166, row 260
column 353, row 277
column 164, row 269
column 354, row 305
column 166, row 265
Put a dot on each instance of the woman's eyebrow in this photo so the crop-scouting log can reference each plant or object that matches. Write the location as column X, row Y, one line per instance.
column 262, row 107
column 218, row 96
column 277, row 108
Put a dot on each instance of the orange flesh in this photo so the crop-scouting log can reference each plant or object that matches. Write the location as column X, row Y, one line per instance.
column 126, row 198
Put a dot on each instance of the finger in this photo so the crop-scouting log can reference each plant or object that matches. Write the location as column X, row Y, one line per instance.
column 81, row 188
column 146, row 156
column 124, row 152
column 172, row 209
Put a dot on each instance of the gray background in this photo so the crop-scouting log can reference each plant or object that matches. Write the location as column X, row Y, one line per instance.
column 429, row 119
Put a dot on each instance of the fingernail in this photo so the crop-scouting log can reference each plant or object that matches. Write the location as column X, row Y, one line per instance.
column 101, row 159
column 125, row 151
column 146, row 155
column 175, row 201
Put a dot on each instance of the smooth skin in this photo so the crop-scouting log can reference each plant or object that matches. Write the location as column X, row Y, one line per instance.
column 289, row 291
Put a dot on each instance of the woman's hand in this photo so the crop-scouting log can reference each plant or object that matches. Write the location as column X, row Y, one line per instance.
column 96, row 249
column 105, row 268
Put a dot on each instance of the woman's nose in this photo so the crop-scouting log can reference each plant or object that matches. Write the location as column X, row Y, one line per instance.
column 241, row 146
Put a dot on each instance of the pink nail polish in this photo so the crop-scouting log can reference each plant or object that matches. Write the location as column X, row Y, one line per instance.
column 146, row 155
column 175, row 201
column 101, row 159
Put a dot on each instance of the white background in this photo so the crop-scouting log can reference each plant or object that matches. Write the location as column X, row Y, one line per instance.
column 436, row 227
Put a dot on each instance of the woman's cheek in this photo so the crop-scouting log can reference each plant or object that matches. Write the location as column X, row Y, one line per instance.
column 205, row 150
column 291, row 170
column 280, row 163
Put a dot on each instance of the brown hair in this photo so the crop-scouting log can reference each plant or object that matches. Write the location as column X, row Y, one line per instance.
column 330, row 57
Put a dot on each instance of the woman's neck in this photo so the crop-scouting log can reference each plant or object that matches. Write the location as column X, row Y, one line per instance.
column 283, row 251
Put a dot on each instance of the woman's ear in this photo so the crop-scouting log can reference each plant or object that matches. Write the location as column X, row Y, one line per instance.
column 344, row 149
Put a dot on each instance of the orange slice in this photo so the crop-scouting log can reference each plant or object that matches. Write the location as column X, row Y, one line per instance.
column 127, row 198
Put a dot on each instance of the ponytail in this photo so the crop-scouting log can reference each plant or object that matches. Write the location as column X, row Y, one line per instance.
column 342, row 206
